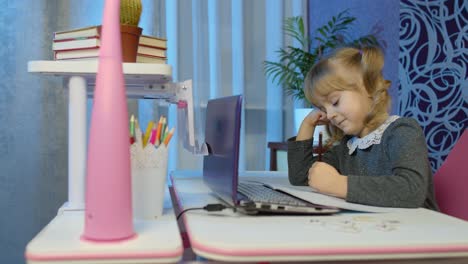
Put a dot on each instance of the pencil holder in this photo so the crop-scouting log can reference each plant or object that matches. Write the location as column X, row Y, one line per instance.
column 149, row 172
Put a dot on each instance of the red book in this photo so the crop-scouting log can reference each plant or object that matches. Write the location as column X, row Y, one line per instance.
column 151, row 41
column 74, row 44
column 85, row 32
column 77, row 54
column 150, row 51
column 141, row 58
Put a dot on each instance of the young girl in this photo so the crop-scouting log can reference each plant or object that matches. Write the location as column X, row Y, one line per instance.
column 372, row 158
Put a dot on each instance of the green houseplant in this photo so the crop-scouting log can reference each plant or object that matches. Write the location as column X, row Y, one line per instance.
column 294, row 62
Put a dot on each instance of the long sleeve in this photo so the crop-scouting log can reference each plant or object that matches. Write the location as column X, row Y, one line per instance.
column 405, row 179
column 301, row 158
column 394, row 173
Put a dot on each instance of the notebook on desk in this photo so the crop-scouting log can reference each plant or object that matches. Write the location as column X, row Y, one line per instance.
column 221, row 167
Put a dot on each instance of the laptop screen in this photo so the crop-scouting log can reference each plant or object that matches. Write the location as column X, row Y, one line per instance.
column 222, row 135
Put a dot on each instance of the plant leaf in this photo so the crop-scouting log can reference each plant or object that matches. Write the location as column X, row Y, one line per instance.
column 294, row 62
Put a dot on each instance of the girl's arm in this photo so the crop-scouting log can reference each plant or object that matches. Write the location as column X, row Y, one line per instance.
column 300, row 158
column 300, row 149
column 301, row 161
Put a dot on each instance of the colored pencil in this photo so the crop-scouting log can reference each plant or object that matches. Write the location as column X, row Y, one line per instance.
column 132, row 126
column 168, row 137
column 149, row 127
column 152, row 139
column 163, row 128
column 158, row 131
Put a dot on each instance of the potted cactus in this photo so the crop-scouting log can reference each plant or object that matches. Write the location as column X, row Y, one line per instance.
column 130, row 13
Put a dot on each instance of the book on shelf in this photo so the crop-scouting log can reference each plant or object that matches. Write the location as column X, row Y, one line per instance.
column 94, row 53
column 77, row 33
column 151, row 41
column 76, row 54
column 139, row 59
column 83, row 44
column 80, row 59
column 95, row 31
column 92, row 42
column 145, row 50
column 74, row 44
column 150, row 59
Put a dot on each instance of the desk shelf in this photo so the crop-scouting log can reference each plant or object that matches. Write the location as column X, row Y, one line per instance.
column 59, row 241
column 134, row 72
column 81, row 77
column 142, row 80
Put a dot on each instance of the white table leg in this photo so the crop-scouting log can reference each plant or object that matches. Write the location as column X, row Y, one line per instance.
column 76, row 143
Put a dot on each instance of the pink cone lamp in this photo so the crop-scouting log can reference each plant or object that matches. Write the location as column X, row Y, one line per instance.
column 108, row 213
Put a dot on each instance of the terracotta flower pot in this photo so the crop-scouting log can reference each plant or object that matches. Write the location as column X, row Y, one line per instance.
column 130, row 38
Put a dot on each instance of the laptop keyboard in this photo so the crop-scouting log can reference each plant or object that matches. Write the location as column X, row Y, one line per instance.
column 260, row 193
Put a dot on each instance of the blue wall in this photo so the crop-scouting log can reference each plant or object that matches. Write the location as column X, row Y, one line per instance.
column 433, row 71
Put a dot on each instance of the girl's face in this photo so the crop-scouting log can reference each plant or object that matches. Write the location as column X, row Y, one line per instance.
column 347, row 107
column 347, row 110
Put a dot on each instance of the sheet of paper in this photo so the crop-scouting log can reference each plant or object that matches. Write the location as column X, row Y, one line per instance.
column 308, row 194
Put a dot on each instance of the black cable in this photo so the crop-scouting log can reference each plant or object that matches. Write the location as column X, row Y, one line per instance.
column 208, row 207
column 188, row 209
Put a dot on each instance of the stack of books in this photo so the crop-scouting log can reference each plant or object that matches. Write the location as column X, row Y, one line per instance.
column 151, row 49
column 81, row 43
column 84, row 43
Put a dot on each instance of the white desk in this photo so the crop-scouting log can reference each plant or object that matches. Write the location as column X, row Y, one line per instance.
column 157, row 241
column 419, row 235
column 60, row 241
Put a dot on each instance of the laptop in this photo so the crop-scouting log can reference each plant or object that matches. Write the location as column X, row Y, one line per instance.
column 221, row 167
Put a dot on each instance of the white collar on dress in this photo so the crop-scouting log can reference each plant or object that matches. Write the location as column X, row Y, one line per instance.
column 372, row 138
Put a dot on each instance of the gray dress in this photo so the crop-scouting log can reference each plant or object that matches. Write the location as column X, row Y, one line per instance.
column 393, row 173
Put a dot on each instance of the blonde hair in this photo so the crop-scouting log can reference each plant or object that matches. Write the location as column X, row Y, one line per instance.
column 368, row 62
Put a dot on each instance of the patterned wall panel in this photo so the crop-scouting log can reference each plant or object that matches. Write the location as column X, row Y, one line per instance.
column 433, row 71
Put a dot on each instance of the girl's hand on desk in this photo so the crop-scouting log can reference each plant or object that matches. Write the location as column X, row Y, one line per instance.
column 326, row 179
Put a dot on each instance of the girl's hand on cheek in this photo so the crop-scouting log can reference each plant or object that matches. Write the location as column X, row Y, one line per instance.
column 326, row 179
column 315, row 117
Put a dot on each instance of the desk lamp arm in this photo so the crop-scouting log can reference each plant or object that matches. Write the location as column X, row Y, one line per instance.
column 181, row 94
